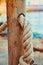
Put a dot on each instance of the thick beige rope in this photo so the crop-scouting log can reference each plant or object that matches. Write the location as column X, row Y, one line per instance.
column 3, row 27
column 27, row 58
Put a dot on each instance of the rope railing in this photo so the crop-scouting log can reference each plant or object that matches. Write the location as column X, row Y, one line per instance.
column 3, row 27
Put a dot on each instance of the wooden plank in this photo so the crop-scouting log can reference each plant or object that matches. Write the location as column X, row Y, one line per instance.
column 15, row 31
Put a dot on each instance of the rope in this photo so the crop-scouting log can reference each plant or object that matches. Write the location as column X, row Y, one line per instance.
column 27, row 58
column 3, row 27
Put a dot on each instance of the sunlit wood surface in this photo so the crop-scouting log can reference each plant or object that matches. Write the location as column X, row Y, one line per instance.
column 15, row 31
column 3, row 8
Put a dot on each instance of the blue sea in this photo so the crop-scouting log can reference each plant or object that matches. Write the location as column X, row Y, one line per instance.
column 36, row 21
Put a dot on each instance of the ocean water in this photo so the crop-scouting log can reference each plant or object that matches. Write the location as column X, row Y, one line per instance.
column 35, row 19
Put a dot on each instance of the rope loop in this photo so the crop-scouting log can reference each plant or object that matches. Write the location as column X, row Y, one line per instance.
column 21, row 19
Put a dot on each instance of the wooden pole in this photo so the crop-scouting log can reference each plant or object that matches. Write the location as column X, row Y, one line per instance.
column 15, row 48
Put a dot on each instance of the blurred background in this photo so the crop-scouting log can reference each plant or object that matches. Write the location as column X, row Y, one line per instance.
column 34, row 14
column 35, row 17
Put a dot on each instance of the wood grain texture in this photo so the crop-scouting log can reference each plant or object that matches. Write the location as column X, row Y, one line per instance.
column 15, row 31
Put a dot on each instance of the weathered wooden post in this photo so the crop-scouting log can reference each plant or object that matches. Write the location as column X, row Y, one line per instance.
column 15, row 48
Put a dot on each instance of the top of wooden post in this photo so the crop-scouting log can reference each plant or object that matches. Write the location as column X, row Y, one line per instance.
column 16, row 7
